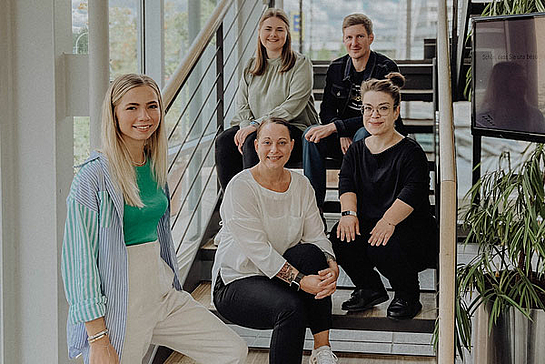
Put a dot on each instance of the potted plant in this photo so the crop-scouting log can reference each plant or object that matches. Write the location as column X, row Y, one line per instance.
column 505, row 220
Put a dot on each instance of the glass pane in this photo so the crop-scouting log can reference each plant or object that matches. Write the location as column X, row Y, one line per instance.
column 123, row 34
column 80, row 29
column 182, row 28
column 123, row 37
column 81, row 139
column 322, row 25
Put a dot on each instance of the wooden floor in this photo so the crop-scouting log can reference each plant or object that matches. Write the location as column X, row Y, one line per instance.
column 262, row 357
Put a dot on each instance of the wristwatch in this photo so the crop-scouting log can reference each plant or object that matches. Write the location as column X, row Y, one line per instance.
column 348, row 212
column 297, row 280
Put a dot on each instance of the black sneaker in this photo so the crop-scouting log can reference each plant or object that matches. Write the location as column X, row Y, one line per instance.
column 401, row 309
column 364, row 299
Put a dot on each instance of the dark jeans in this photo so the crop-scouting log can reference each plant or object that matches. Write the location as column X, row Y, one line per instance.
column 261, row 303
column 229, row 161
column 314, row 157
column 407, row 252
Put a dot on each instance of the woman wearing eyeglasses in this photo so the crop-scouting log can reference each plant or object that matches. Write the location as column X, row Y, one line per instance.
column 386, row 221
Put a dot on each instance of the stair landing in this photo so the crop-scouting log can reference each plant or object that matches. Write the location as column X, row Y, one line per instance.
column 262, row 357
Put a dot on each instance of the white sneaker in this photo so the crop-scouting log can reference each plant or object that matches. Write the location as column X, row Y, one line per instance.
column 323, row 355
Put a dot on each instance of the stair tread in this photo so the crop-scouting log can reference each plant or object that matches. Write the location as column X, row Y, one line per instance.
column 373, row 319
column 256, row 356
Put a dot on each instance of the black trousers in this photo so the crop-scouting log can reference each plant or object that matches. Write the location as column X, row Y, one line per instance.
column 229, row 161
column 262, row 303
column 411, row 249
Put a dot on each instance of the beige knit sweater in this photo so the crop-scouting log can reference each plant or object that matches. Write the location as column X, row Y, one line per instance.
column 287, row 95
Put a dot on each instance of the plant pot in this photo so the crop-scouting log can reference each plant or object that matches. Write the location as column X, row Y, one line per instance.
column 513, row 340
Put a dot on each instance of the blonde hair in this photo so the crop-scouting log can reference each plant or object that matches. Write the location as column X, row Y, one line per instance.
column 120, row 164
column 357, row 19
column 391, row 85
column 288, row 56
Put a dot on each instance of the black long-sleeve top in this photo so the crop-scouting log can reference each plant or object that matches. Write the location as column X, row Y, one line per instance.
column 400, row 171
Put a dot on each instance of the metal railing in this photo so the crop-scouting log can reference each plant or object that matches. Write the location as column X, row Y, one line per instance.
column 195, row 99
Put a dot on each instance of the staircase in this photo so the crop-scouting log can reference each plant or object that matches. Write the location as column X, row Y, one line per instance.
column 419, row 89
column 197, row 217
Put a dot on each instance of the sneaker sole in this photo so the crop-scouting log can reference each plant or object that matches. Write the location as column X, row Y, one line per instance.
column 370, row 305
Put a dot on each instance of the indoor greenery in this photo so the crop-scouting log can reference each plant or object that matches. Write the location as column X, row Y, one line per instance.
column 505, row 220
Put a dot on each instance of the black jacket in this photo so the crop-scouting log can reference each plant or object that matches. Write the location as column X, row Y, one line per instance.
column 338, row 88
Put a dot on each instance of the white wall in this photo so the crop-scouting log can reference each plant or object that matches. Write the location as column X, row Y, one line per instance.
column 35, row 160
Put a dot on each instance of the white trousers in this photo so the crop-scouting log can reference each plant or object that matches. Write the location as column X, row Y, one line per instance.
column 161, row 315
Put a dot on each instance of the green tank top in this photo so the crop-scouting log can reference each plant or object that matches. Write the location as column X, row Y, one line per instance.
column 140, row 224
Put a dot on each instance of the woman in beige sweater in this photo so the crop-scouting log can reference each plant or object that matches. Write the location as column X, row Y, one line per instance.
column 276, row 82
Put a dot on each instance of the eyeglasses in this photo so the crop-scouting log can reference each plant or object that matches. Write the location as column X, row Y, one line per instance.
column 382, row 110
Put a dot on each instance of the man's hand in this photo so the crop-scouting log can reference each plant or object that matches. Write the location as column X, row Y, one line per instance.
column 346, row 142
column 242, row 134
column 315, row 134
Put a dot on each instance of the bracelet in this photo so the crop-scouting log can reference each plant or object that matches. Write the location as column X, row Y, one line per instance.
column 254, row 123
column 97, row 336
column 389, row 223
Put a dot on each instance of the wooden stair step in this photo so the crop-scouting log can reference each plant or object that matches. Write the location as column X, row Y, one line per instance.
column 418, row 126
column 371, row 320
column 335, row 206
column 259, row 356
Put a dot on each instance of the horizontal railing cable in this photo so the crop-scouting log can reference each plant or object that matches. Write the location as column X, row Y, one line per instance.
column 195, row 91
column 181, row 147
column 202, row 78
column 192, row 125
column 193, row 153
column 236, row 17
column 180, row 75
column 193, row 213
column 231, row 78
column 239, row 35
column 193, row 181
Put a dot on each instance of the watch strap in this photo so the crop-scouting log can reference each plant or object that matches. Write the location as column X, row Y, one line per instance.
column 297, row 280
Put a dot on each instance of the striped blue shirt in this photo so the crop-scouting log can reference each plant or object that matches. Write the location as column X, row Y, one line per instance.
column 94, row 255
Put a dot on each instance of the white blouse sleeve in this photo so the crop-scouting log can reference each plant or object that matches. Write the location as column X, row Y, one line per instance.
column 313, row 229
column 243, row 220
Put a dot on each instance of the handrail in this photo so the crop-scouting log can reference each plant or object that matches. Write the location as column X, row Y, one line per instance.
column 448, row 197
column 196, row 50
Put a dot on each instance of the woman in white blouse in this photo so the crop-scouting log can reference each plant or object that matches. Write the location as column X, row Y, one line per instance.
column 275, row 268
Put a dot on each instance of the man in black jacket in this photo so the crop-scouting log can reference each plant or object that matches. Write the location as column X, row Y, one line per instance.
column 340, row 111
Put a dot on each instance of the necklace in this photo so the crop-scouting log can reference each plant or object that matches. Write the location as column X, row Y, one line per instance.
column 139, row 164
